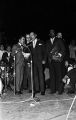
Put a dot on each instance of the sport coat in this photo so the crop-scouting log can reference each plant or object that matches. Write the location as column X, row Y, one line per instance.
column 58, row 44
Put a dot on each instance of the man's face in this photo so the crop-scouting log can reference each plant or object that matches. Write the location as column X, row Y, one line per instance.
column 32, row 36
column 27, row 38
column 66, row 63
column 52, row 34
column 59, row 35
column 22, row 40
column 8, row 48
column 2, row 47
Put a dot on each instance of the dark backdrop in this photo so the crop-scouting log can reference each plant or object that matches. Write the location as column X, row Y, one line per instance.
column 21, row 17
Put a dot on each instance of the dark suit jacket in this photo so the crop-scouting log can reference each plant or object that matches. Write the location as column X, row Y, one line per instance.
column 58, row 43
column 18, row 54
column 37, row 52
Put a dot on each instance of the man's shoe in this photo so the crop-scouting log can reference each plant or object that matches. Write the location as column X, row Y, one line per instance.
column 70, row 92
column 60, row 93
column 30, row 91
column 52, row 92
column 18, row 92
column 42, row 93
column 33, row 94
column 37, row 91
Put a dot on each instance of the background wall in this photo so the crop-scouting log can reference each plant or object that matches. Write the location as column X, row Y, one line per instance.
column 21, row 17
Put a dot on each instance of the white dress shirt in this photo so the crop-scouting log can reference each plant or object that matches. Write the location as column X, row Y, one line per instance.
column 34, row 43
column 1, row 53
column 52, row 40
column 8, row 55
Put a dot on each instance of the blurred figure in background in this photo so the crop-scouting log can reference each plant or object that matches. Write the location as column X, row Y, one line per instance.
column 72, row 50
column 66, row 55
column 55, row 51
column 1, row 51
column 70, row 77
column 8, row 60
column 6, row 55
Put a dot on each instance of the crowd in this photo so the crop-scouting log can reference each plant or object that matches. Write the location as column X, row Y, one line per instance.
column 30, row 57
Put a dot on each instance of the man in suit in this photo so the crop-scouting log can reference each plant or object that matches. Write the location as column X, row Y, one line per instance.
column 27, row 68
column 17, row 50
column 37, row 58
column 55, row 51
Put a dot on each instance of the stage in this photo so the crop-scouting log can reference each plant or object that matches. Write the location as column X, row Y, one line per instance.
column 50, row 107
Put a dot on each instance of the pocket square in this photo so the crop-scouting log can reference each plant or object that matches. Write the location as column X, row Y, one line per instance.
column 40, row 44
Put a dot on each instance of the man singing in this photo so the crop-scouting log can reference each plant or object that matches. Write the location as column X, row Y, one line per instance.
column 37, row 57
column 17, row 50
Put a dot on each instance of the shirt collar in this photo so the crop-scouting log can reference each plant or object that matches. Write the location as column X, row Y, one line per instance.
column 52, row 39
column 19, row 43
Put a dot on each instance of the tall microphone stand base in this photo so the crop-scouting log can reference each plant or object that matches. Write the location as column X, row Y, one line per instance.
column 35, row 99
column 32, row 98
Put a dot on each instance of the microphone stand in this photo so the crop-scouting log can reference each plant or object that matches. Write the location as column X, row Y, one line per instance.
column 32, row 81
column 35, row 99
column 32, row 98
column 14, row 74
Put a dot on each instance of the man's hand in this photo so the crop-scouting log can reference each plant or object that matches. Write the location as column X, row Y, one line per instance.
column 43, row 62
column 26, row 55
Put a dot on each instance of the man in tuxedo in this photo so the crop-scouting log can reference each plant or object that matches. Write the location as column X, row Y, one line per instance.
column 55, row 51
column 37, row 58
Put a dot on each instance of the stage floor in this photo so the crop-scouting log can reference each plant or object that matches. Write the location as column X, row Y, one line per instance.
column 50, row 107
